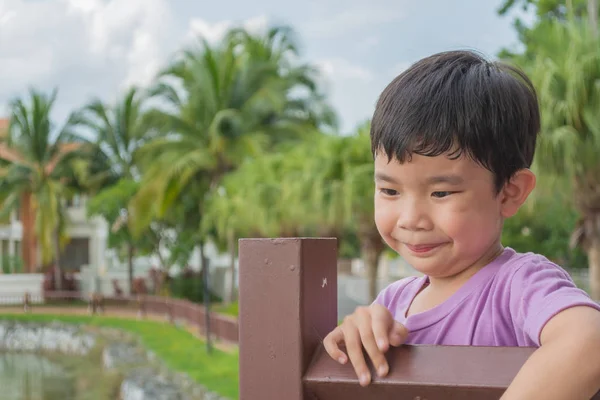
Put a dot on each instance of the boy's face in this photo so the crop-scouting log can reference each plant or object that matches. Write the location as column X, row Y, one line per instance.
column 442, row 216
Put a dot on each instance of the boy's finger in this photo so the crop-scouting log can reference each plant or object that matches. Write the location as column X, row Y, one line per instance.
column 398, row 334
column 331, row 344
column 381, row 322
column 370, row 345
column 355, row 353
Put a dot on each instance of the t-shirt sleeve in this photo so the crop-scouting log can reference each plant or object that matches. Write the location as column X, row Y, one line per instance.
column 539, row 290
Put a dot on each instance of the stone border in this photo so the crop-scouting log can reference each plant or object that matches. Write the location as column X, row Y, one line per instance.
column 146, row 377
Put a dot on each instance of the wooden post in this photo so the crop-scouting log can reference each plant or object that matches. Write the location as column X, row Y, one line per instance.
column 100, row 303
column 96, row 303
column 91, row 306
column 169, row 307
column 288, row 303
column 141, row 306
column 27, row 302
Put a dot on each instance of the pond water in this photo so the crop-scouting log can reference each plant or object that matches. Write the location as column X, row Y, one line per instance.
column 25, row 376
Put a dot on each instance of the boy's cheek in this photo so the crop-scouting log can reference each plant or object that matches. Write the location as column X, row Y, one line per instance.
column 385, row 220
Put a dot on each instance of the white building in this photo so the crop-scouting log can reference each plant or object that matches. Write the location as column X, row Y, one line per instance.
column 87, row 245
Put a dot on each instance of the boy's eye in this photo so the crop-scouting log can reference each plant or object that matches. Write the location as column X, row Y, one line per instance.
column 441, row 194
column 389, row 192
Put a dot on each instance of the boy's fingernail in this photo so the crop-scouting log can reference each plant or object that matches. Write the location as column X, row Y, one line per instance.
column 382, row 370
column 381, row 344
column 364, row 379
column 342, row 360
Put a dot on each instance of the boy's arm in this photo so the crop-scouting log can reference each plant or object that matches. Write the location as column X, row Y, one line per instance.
column 567, row 364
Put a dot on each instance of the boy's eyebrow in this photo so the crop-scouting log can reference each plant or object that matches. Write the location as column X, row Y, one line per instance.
column 380, row 176
column 449, row 179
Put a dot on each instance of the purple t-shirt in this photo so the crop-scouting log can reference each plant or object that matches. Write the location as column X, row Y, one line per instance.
column 506, row 303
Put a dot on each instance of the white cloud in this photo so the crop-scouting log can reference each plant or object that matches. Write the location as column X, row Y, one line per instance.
column 256, row 24
column 368, row 42
column 213, row 32
column 340, row 68
column 341, row 21
column 85, row 6
column 84, row 47
column 132, row 30
column 5, row 14
column 349, row 87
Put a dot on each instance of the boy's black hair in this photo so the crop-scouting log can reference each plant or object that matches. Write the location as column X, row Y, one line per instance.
column 459, row 103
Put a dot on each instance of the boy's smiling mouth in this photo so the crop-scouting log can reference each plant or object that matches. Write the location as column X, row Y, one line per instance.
column 422, row 248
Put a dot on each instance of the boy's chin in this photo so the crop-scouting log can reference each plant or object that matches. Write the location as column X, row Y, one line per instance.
column 432, row 265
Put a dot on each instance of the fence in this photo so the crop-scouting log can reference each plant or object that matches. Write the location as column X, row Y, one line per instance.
column 14, row 286
column 222, row 327
column 282, row 325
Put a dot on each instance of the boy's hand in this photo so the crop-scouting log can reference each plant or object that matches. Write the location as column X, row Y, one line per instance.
column 372, row 327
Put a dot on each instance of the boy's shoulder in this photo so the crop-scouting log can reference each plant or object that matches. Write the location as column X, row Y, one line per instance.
column 534, row 289
column 517, row 266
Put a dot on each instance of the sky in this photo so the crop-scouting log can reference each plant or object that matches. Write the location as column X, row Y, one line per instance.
column 97, row 48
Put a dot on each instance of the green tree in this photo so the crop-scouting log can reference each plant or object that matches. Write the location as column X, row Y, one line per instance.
column 119, row 132
column 40, row 162
column 223, row 104
column 547, row 12
column 566, row 73
column 322, row 187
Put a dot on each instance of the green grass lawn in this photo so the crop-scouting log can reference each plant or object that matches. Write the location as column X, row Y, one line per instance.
column 231, row 309
column 179, row 349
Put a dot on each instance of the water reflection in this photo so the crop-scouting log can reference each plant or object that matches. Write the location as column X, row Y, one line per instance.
column 34, row 377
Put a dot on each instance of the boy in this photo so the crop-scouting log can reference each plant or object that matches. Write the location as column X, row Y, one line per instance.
column 453, row 139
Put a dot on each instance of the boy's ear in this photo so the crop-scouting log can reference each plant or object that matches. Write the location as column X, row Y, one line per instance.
column 516, row 191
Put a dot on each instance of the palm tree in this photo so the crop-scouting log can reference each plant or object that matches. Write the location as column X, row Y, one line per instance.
column 37, row 176
column 566, row 73
column 278, row 47
column 264, row 197
column 222, row 105
column 119, row 132
column 323, row 187
column 342, row 194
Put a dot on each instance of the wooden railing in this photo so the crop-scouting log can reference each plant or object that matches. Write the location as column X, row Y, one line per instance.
column 222, row 327
column 288, row 303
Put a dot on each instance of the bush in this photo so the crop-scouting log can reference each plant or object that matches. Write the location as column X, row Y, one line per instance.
column 545, row 227
column 68, row 282
column 12, row 264
column 190, row 285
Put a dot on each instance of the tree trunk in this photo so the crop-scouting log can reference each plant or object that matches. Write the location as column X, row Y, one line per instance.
column 206, row 295
column 28, row 242
column 593, row 15
column 593, row 252
column 159, row 281
column 57, row 270
column 231, row 296
column 130, row 253
column 372, row 247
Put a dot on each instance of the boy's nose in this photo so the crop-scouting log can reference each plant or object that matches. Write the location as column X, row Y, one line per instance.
column 412, row 216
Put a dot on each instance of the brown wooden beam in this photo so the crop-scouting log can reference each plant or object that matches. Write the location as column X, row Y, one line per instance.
column 423, row 372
